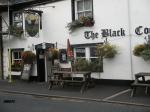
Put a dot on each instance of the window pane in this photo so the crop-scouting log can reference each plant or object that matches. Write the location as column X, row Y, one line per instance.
column 17, row 16
column 87, row 4
column 93, row 52
column 15, row 55
column 18, row 24
column 79, row 5
column 80, row 52
column 88, row 13
column 81, row 14
column 19, row 55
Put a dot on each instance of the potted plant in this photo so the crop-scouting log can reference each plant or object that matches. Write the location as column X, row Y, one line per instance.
column 28, row 57
column 81, row 22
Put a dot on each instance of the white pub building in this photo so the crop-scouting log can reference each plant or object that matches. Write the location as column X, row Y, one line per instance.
column 124, row 23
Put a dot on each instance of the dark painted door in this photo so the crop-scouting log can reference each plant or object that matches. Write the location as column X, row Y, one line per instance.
column 40, row 65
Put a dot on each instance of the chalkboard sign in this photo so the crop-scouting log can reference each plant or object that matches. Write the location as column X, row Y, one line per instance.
column 26, row 72
column 63, row 56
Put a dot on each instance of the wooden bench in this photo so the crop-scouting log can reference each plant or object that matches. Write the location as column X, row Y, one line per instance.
column 140, row 81
column 137, row 84
column 60, row 79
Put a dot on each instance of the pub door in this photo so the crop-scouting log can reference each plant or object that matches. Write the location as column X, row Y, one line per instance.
column 40, row 64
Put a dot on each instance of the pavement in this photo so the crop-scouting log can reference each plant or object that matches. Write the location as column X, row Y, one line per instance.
column 100, row 93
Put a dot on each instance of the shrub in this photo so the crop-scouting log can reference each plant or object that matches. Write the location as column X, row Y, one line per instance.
column 84, row 65
column 81, row 65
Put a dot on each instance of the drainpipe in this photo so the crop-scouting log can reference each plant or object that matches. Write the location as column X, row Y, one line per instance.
column 1, row 50
column 9, row 59
column 130, row 38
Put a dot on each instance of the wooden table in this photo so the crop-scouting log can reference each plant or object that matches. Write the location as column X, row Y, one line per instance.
column 62, row 77
column 140, row 83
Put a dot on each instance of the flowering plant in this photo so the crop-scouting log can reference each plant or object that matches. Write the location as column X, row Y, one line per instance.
column 28, row 57
column 143, row 50
column 16, row 66
column 81, row 22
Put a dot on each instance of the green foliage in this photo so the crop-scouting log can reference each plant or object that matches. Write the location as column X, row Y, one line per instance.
column 81, row 65
column 106, row 50
column 138, row 49
column 16, row 31
column 83, row 21
column 96, row 66
column 145, row 54
column 84, row 65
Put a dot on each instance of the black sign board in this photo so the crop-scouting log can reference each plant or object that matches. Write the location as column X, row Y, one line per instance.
column 63, row 56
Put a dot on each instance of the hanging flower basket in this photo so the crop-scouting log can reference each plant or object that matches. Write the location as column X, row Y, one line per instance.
column 28, row 57
column 106, row 50
column 16, row 31
column 143, row 50
column 52, row 53
column 81, row 22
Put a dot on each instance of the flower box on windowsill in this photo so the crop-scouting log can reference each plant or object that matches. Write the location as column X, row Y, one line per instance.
column 81, row 22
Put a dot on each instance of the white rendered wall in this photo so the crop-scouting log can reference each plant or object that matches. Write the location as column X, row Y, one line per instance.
column 139, row 17
column 108, row 14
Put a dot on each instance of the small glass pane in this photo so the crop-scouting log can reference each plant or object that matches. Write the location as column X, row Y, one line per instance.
column 18, row 24
column 79, row 5
column 88, row 13
column 19, row 55
column 80, row 14
column 80, row 52
column 87, row 4
column 93, row 52
column 17, row 16
column 15, row 55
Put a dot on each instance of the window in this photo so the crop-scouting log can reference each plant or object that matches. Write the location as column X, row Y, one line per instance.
column 93, row 56
column 80, row 52
column 16, row 61
column 88, row 53
column 83, row 8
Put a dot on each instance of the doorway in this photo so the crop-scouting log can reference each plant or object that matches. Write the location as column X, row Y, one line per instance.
column 40, row 64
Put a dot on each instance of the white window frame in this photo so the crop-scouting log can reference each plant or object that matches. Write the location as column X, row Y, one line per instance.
column 76, row 52
column 76, row 11
column 13, row 57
